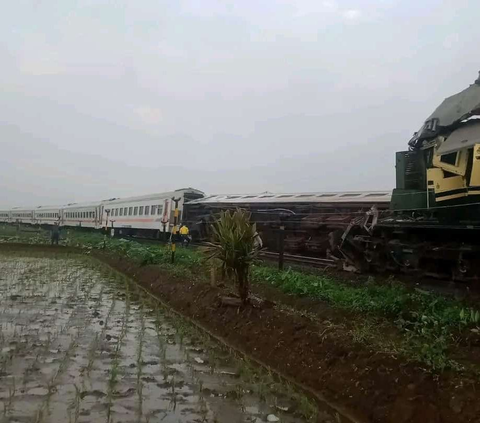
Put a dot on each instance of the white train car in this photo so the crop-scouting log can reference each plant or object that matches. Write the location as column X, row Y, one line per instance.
column 82, row 215
column 22, row 215
column 5, row 216
column 147, row 214
column 47, row 215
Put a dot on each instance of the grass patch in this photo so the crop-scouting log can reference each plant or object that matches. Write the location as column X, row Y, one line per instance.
column 430, row 323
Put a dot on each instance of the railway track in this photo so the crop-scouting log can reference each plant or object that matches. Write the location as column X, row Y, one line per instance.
column 304, row 260
column 270, row 255
column 431, row 284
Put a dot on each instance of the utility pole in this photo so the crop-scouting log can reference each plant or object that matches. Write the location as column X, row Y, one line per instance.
column 174, row 230
column 283, row 216
column 164, row 224
column 106, row 228
column 281, row 246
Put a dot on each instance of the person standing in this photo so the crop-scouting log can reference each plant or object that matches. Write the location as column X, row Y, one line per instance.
column 184, row 233
column 55, row 234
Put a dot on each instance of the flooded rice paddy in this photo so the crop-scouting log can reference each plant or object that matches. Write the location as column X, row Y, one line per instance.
column 82, row 343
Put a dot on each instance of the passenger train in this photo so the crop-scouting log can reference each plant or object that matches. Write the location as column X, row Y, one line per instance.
column 140, row 215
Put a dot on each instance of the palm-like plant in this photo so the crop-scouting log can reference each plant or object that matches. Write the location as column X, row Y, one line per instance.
column 234, row 246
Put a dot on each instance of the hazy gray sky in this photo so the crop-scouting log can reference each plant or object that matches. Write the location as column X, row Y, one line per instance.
column 111, row 98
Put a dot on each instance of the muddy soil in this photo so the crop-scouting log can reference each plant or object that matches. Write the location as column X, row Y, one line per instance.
column 320, row 353
column 80, row 342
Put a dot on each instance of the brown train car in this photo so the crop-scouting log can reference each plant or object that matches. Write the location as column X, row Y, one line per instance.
column 309, row 219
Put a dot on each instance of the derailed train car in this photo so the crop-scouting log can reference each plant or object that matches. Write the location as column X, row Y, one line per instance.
column 433, row 226
column 311, row 221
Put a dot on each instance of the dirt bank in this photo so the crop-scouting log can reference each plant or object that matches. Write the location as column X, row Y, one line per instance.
column 320, row 352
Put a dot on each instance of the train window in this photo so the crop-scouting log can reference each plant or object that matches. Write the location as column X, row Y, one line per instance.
column 285, row 196
column 154, row 209
column 130, row 211
column 147, row 210
column 125, row 209
column 450, row 158
column 140, row 211
column 159, row 209
column 121, row 211
column 326, row 195
column 350, row 195
column 135, row 211
column 116, row 212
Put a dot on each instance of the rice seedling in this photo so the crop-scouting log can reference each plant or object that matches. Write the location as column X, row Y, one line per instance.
column 61, row 315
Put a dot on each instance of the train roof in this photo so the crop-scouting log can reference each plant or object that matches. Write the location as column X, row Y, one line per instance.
column 377, row 197
column 81, row 205
column 168, row 194
column 21, row 209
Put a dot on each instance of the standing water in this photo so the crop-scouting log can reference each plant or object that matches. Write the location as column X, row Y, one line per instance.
column 82, row 343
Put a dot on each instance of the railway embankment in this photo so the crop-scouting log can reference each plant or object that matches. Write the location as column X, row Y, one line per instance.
column 385, row 352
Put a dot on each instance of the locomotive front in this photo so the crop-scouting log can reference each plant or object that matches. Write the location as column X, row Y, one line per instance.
column 433, row 226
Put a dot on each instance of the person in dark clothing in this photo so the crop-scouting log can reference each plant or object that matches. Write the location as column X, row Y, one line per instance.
column 55, row 234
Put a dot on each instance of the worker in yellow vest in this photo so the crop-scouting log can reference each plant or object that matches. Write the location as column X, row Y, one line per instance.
column 185, row 235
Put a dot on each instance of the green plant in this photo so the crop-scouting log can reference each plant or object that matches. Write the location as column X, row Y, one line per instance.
column 233, row 245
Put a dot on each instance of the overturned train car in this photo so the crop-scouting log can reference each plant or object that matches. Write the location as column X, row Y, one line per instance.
column 311, row 221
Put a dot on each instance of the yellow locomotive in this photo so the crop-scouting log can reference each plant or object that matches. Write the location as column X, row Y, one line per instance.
column 433, row 225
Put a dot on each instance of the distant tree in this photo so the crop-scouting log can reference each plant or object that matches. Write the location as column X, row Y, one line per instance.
column 235, row 246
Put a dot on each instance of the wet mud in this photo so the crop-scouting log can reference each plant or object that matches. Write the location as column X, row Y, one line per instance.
column 80, row 343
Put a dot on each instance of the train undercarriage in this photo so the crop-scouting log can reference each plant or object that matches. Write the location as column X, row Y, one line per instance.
column 421, row 246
